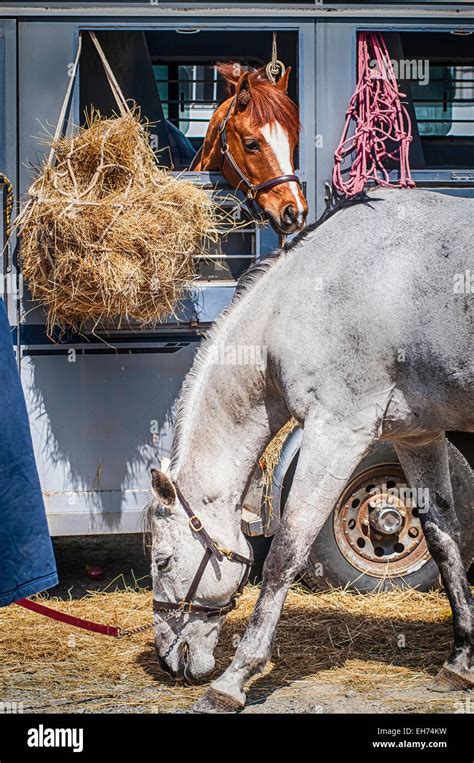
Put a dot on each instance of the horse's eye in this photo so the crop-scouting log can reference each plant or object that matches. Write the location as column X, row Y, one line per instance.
column 162, row 563
column 252, row 145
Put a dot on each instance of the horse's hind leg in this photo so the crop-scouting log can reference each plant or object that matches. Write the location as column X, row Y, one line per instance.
column 426, row 466
column 328, row 455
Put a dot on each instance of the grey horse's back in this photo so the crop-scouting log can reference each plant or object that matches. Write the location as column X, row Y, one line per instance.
column 379, row 294
column 400, row 260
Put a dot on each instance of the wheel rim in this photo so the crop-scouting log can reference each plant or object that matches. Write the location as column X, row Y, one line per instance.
column 377, row 525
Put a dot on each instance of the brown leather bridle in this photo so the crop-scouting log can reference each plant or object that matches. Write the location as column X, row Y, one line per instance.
column 211, row 549
column 244, row 184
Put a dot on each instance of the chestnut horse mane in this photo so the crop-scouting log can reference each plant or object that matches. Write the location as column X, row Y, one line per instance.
column 267, row 104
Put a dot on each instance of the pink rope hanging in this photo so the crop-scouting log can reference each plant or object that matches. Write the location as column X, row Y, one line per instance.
column 380, row 120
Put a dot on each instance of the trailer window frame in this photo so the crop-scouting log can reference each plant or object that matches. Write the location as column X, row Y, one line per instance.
column 429, row 176
column 265, row 240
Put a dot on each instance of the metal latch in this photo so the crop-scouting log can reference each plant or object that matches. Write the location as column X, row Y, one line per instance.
column 463, row 178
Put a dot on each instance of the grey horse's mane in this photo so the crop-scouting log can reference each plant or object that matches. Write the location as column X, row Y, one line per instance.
column 245, row 285
column 337, row 206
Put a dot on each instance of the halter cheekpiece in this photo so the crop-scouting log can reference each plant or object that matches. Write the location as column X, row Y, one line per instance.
column 211, row 549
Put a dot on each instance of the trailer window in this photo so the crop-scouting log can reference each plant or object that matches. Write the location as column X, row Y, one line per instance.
column 189, row 87
column 189, row 94
column 445, row 106
column 173, row 77
column 438, row 79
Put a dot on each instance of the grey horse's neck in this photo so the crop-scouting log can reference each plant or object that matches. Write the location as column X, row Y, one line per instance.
column 228, row 411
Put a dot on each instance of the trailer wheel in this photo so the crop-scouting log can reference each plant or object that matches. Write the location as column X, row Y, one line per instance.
column 373, row 538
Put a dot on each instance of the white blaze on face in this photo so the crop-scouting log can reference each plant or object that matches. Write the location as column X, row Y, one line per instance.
column 277, row 139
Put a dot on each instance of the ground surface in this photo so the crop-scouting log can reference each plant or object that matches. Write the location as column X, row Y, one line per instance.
column 334, row 652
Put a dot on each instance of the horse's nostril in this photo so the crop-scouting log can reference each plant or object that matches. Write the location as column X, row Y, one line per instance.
column 185, row 652
column 164, row 665
column 289, row 215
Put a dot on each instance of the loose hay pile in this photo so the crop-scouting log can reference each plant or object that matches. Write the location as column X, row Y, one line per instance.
column 373, row 645
column 107, row 233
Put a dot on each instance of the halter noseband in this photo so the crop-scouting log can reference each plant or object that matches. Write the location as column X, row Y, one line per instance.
column 249, row 188
column 212, row 549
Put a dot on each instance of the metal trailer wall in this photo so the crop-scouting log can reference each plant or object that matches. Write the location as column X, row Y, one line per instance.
column 100, row 418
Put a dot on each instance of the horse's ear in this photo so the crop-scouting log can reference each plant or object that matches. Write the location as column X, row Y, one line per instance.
column 282, row 83
column 230, row 72
column 163, row 487
column 243, row 91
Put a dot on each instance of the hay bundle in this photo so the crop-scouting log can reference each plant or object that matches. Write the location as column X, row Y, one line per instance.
column 108, row 233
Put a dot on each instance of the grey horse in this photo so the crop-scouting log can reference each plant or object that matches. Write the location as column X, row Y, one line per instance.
column 362, row 331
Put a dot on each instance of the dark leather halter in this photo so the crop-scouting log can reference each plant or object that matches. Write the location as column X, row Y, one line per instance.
column 244, row 184
column 211, row 549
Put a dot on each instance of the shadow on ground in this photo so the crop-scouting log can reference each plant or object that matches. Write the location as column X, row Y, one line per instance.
column 359, row 651
column 123, row 560
column 121, row 557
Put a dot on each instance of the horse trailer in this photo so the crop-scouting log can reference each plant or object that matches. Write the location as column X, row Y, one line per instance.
column 101, row 404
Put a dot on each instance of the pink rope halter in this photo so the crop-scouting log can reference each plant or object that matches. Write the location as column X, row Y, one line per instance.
column 382, row 124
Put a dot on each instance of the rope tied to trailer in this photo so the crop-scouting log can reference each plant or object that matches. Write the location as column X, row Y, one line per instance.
column 275, row 68
column 382, row 126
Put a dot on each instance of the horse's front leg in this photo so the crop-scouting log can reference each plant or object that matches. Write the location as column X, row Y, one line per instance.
column 426, row 466
column 327, row 458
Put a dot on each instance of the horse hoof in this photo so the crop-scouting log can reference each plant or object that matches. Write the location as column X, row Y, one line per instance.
column 449, row 680
column 217, row 702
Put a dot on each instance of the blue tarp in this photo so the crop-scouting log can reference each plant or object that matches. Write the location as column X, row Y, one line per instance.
column 27, row 564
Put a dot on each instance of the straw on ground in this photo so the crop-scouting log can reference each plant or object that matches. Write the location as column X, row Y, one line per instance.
column 363, row 643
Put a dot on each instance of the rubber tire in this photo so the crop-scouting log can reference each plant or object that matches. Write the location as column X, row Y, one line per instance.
column 339, row 573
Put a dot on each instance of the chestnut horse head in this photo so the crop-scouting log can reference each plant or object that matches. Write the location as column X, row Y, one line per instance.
column 251, row 139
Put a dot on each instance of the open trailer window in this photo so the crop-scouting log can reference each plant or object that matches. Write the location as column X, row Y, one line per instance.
column 189, row 94
column 172, row 75
column 189, row 86
column 436, row 71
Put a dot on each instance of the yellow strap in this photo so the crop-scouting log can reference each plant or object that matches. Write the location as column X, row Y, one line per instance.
column 9, row 205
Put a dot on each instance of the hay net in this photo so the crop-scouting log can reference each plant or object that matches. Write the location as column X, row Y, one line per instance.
column 105, row 231
column 380, row 124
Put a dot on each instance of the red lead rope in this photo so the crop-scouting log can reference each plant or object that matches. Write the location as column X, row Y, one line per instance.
column 381, row 124
column 77, row 622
